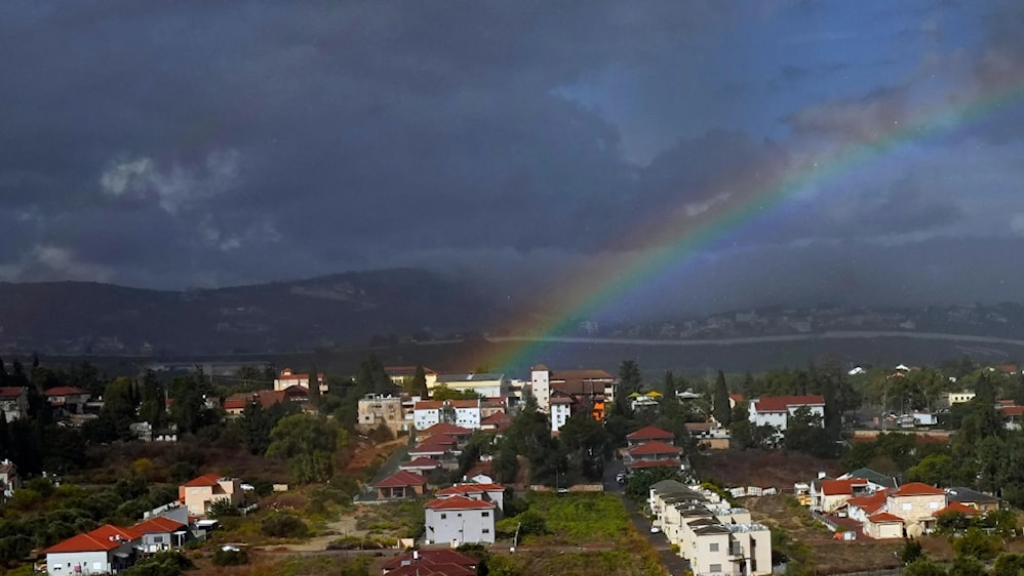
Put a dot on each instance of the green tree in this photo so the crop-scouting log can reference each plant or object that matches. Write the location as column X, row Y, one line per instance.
column 314, row 387
column 629, row 382
column 309, row 444
column 153, row 406
column 668, row 386
column 418, row 384
column 804, row 434
column 120, row 405
column 638, row 488
column 740, row 428
column 967, row 567
column 977, row 545
column 587, row 444
column 722, row 409
column 1008, row 564
column 505, row 466
column 923, row 567
column 937, row 470
column 911, row 550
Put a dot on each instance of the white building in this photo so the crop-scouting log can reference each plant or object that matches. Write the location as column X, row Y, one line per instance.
column 487, row 385
column 106, row 550
column 464, row 413
column 775, row 411
column 592, row 385
column 14, row 402
column 458, row 520
column 561, row 410
column 290, row 378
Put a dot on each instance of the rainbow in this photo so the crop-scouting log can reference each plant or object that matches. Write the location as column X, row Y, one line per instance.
column 677, row 238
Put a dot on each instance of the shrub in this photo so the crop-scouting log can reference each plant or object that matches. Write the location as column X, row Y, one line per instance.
column 978, row 545
column 223, row 509
column 229, row 556
column 280, row 525
column 1008, row 565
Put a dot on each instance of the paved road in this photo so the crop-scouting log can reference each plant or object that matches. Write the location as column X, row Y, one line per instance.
column 675, row 564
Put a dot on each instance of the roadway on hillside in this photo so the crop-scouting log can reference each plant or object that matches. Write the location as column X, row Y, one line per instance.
column 676, row 565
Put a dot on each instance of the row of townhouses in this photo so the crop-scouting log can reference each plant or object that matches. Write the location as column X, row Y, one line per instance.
column 716, row 538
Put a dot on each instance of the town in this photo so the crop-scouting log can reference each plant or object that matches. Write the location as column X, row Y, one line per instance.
column 411, row 470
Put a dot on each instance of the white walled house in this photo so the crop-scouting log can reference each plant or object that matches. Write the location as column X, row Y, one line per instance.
column 463, row 413
column 561, row 410
column 289, row 378
column 592, row 385
column 488, row 385
column 14, row 402
column 105, row 550
column 540, row 386
column 775, row 411
column 458, row 520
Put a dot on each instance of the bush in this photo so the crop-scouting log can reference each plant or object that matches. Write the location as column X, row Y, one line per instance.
column 978, row 545
column 280, row 525
column 1008, row 565
column 923, row 567
column 223, row 509
column 229, row 556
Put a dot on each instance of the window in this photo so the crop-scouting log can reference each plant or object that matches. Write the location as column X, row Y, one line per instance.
column 158, row 539
column 486, row 530
column 906, row 506
column 715, row 568
column 460, row 514
column 714, row 548
column 485, row 514
column 444, row 516
column 934, row 505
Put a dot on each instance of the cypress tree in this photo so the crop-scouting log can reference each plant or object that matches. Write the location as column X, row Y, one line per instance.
column 418, row 386
column 722, row 411
column 314, row 387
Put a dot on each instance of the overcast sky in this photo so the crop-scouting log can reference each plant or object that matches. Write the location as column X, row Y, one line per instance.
column 174, row 144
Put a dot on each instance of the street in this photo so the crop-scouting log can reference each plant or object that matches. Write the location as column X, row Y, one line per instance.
column 675, row 564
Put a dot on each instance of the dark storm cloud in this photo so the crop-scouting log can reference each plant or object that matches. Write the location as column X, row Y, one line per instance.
column 171, row 144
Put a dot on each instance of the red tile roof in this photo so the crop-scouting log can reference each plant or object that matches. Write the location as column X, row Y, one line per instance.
column 460, row 489
column 918, row 489
column 650, row 433
column 783, row 403
column 430, row 449
column 869, row 504
column 841, row 487
column 102, row 539
column 655, row 447
column 446, row 429
column 458, row 503
column 736, row 397
column 439, row 439
column 1012, row 410
column 204, row 480
column 957, row 507
column 438, row 556
column 428, row 405
column 496, row 419
column 64, row 391
column 884, row 518
column 402, row 479
column 421, row 462
column 464, row 403
column 12, row 391
column 158, row 525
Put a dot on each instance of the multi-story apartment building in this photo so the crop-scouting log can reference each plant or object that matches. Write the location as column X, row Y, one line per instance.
column 396, row 413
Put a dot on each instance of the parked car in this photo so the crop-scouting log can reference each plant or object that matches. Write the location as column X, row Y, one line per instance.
column 655, row 529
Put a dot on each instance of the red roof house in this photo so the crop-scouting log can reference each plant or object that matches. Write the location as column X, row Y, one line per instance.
column 401, row 484
column 104, row 550
column 648, row 434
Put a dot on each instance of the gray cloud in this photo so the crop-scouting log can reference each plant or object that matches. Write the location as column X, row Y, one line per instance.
column 179, row 144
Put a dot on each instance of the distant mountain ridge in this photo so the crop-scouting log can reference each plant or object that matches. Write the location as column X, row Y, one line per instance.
column 339, row 309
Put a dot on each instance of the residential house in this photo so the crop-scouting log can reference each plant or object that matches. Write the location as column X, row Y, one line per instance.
column 651, row 399
column 486, row 492
column 560, row 408
column 860, row 508
column 432, row 562
column 652, row 454
column 400, row 375
column 105, row 550
column 1012, row 416
column 829, row 495
column 649, row 434
column 496, row 422
column 432, row 451
column 395, row 413
column 463, row 413
column 235, row 404
column 200, row 493
column 9, row 479
column 458, row 520
column 775, row 411
column 67, row 398
column 916, row 504
column 421, row 465
column 972, row 498
column 401, row 485
column 876, row 480
column 14, row 402
column 883, row 525
column 591, row 388
column 458, row 433
column 958, row 508
column 289, row 378
column 486, row 385
column 159, row 534
column 960, row 397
